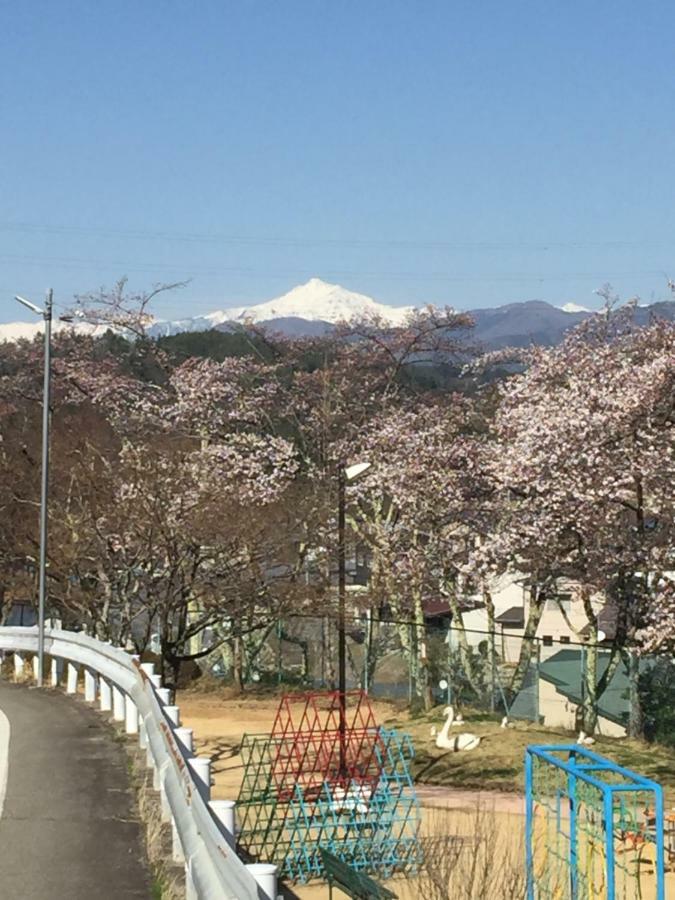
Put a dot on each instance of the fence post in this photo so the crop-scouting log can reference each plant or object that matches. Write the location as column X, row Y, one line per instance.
column 201, row 772
column 36, row 667
column 537, row 669
column 173, row 715
column 224, row 811
column 104, row 695
column 89, row 686
column 18, row 664
column 131, row 718
column 185, row 737
column 71, row 684
column 119, row 712
column 265, row 875
column 57, row 669
column 493, row 669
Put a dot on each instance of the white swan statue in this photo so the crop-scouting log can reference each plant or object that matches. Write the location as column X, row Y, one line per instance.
column 356, row 798
column 462, row 741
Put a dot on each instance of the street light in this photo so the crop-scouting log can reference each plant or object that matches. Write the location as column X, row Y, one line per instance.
column 346, row 474
column 46, row 314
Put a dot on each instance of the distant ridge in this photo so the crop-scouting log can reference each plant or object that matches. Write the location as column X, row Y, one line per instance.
column 313, row 308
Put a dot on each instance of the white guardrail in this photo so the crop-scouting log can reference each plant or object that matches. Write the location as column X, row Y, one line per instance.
column 203, row 830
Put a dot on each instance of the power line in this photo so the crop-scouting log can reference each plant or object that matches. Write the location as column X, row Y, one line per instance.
column 188, row 270
column 275, row 240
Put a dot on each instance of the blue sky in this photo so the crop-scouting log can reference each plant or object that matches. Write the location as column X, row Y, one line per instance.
column 470, row 153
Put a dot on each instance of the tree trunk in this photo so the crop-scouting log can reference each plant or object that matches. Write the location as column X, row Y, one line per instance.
column 237, row 664
column 491, row 656
column 423, row 687
column 457, row 627
column 537, row 602
column 635, row 716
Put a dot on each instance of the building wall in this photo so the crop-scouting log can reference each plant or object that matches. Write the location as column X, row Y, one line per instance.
column 559, row 712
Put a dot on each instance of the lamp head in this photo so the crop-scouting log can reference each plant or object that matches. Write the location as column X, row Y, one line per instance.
column 31, row 306
column 353, row 472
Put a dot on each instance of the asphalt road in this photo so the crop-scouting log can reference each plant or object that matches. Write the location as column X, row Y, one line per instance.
column 67, row 828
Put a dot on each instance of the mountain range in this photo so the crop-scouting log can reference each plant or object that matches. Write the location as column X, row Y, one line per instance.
column 313, row 308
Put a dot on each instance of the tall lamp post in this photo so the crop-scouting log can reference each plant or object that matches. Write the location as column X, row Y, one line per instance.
column 346, row 474
column 46, row 314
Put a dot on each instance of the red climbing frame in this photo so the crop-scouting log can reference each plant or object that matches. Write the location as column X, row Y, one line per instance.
column 306, row 743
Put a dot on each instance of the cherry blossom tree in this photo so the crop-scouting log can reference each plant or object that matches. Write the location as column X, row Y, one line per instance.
column 584, row 458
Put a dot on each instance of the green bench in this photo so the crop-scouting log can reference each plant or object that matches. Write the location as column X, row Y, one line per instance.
column 349, row 881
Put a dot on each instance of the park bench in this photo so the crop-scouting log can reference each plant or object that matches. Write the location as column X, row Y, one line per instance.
column 349, row 881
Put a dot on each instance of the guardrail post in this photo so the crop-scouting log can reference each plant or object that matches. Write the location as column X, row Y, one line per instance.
column 18, row 665
column 173, row 715
column 104, row 695
column 119, row 713
column 185, row 737
column 89, row 685
column 224, row 813
column 164, row 695
column 71, row 685
column 265, row 875
column 57, row 671
column 36, row 667
column 131, row 722
column 201, row 773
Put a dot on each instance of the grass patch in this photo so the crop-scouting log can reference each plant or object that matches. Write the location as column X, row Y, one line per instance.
column 498, row 763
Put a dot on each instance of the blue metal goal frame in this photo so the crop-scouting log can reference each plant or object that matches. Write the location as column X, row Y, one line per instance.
column 588, row 766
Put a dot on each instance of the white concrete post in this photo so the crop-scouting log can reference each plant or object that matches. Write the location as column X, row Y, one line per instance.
column 164, row 695
column 173, row 715
column 148, row 668
column 104, row 695
column 224, row 813
column 36, row 666
column 131, row 723
column 185, row 737
column 57, row 671
column 71, row 687
column 18, row 665
column 265, row 875
column 119, row 713
column 201, row 773
column 155, row 680
column 176, row 847
column 89, row 686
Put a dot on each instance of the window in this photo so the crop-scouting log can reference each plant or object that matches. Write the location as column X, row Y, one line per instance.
column 564, row 639
column 548, row 640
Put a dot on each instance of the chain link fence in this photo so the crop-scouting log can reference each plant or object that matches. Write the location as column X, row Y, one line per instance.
column 545, row 681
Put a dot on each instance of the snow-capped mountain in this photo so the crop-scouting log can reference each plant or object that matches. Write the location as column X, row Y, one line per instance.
column 318, row 300
column 574, row 308
column 314, row 301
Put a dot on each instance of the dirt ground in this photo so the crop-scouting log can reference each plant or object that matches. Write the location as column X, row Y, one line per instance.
column 219, row 724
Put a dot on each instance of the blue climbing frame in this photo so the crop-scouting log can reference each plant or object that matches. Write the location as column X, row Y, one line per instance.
column 572, row 792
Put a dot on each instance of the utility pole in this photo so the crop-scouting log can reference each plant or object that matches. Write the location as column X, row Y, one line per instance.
column 46, row 314
column 44, row 488
column 342, row 647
